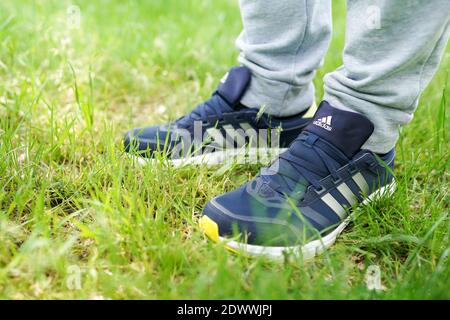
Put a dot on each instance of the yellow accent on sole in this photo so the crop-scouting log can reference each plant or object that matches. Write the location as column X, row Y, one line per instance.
column 210, row 228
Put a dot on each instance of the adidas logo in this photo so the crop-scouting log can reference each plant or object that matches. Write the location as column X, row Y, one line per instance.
column 324, row 122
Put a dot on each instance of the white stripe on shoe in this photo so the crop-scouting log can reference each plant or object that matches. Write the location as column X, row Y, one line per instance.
column 310, row 249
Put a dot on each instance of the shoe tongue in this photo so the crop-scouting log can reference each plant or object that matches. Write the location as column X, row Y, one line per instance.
column 234, row 84
column 347, row 131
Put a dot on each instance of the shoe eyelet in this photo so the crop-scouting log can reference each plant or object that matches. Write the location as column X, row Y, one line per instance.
column 337, row 181
column 320, row 190
column 353, row 170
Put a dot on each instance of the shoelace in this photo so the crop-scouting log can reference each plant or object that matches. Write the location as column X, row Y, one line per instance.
column 216, row 105
column 293, row 170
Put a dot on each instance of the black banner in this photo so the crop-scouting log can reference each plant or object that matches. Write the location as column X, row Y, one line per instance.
column 226, row 309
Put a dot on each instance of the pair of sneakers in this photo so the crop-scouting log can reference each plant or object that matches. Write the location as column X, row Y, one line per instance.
column 303, row 200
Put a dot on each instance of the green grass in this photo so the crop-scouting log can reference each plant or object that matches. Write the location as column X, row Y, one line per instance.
column 72, row 205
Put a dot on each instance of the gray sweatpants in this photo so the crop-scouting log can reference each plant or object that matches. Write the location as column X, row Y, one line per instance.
column 392, row 50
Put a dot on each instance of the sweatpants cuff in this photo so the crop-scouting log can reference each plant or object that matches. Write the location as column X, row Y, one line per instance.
column 278, row 98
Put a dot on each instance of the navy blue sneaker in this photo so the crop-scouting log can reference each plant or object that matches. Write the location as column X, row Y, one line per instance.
column 218, row 129
column 302, row 202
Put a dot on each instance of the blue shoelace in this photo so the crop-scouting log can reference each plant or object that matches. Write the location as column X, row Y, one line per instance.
column 293, row 172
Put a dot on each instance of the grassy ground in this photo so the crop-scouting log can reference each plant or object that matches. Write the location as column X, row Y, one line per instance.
column 78, row 220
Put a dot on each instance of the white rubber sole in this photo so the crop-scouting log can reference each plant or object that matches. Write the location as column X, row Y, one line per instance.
column 311, row 249
column 247, row 156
